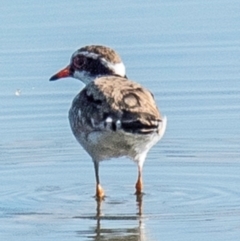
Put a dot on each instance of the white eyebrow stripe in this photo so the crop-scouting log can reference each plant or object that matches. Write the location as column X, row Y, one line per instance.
column 118, row 68
column 88, row 54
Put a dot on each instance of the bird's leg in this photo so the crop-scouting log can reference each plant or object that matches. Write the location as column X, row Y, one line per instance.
column 139, row 183
column 99, row 189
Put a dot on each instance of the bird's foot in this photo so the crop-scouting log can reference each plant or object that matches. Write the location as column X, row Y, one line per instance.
column 99, row 193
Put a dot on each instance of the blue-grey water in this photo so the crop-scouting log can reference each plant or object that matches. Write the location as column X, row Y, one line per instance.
column 188, row 54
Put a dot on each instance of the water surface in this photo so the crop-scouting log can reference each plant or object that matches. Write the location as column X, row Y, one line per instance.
column 187, row 54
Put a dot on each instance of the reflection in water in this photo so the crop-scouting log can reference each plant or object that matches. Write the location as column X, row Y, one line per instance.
column 135, row 233
column 139, row 198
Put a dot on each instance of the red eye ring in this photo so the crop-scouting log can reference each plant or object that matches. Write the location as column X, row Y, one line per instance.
column 79, row 61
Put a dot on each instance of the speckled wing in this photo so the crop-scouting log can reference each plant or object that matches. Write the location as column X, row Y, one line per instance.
column 121, row 102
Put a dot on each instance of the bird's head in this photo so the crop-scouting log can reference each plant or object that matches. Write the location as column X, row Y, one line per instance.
column 90, row 62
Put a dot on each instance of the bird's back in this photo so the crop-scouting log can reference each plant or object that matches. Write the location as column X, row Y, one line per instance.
column 117, row 116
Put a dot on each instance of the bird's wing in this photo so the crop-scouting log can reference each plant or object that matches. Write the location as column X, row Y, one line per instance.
column 119, row 102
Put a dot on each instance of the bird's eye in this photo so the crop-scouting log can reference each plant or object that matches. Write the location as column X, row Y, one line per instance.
column 79, row 61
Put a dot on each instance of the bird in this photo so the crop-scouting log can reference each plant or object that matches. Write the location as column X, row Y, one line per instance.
column 112, row 116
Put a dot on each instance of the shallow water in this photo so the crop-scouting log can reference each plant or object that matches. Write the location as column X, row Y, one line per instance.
column 187, row 54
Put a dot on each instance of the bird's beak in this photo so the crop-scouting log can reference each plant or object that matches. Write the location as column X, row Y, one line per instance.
column 62, row 74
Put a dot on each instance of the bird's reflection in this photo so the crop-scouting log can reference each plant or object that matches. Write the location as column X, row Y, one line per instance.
column 139, row 201
column 118, row 233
